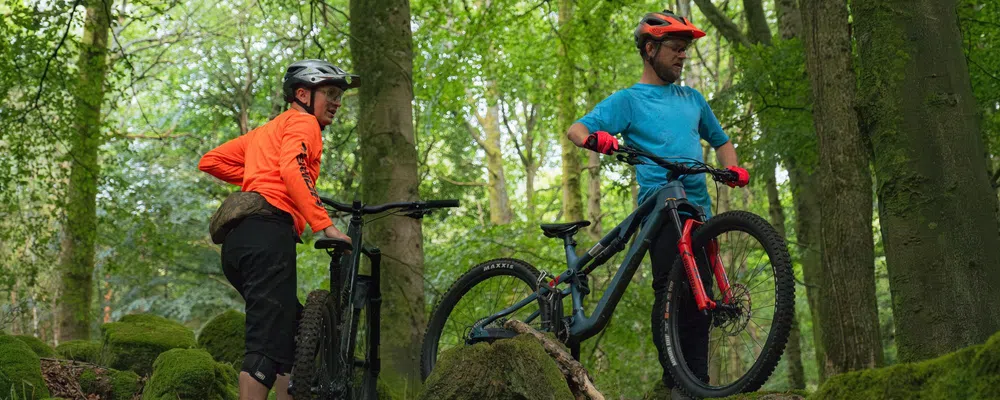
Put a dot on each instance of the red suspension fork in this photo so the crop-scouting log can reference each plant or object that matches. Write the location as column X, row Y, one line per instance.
column 691, row 267
column 720, row 270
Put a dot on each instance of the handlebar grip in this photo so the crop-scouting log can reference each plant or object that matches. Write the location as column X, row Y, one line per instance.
column 726, row 175
column 442, row 203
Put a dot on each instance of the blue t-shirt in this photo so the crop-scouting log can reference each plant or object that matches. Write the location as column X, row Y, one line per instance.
column 664, row 120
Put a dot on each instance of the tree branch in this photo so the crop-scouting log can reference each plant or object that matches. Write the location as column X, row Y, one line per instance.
column 453, row 182
column 722, row 23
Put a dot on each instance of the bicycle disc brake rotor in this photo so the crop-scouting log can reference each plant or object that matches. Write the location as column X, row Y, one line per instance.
column 733, row 317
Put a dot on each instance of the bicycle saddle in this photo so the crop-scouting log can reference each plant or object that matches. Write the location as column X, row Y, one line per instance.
column 562, row 230
column 331, row 243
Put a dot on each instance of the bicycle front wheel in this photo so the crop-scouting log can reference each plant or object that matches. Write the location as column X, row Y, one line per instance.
column 363, row 344
column 735, row 347
column 315, row 348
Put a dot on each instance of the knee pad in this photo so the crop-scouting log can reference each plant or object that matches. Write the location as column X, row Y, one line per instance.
column 261, row 368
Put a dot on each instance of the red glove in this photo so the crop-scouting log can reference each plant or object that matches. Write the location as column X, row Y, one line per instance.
column 743, row 177
column 601, row 142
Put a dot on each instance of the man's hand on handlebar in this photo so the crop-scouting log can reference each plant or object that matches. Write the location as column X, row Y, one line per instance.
column 334, row 233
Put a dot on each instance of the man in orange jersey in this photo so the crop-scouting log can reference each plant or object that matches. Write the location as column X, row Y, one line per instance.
column 280, row 161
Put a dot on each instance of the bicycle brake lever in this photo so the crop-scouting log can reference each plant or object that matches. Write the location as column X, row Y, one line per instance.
column 417, row 214
column 630, row 158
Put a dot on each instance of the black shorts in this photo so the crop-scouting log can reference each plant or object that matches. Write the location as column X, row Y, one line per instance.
column 258, row 258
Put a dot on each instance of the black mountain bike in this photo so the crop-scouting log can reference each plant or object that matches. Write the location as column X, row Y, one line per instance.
column 336, row 348
column 748, row 307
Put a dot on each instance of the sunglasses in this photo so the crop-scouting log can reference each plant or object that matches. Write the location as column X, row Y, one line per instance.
column 676, row 46
column 332, row 93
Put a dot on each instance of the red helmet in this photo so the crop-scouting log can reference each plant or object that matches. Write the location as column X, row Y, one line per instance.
column 660, row 25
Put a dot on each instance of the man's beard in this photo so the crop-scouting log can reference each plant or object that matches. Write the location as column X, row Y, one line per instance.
column 665, row 72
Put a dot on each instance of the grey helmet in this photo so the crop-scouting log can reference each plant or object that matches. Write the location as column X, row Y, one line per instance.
column 312, row 73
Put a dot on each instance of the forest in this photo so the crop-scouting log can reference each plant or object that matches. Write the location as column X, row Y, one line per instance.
column 870, row 129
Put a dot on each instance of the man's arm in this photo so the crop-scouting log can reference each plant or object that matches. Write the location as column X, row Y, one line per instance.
column 226, row 162
column 577, row 133
column 300, row 134
column 726, row 154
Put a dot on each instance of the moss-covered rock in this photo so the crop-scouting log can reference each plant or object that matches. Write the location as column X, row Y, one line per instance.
column 134, row 342
column 224, row 337
column 190, row 374
column 970, row 373
column 661, row 392
column 20, row 370
column 37, row 346
column 80, row 350
column 110, row 383
column 515, row 368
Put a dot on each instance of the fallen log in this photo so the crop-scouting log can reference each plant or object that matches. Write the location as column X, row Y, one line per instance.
column 579, row 380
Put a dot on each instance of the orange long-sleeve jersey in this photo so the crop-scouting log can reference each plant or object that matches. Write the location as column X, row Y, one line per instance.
column 280, row 160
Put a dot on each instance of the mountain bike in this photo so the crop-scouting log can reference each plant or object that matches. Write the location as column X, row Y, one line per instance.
column 336, row 348
column 749, row 307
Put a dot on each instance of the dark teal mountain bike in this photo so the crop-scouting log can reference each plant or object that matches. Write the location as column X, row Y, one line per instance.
column 750, row 303
column 336, row 348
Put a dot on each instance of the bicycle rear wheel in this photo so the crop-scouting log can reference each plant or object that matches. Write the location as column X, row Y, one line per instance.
column 745, row 335
column 482, row 291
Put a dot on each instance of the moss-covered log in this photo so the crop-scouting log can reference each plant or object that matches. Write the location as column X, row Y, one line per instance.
column 517, row 368
column 20, row 370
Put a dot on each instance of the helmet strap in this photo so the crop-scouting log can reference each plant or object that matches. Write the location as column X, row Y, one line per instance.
column 312, row 100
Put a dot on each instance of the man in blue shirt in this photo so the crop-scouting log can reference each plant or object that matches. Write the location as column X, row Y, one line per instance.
column 668, row 120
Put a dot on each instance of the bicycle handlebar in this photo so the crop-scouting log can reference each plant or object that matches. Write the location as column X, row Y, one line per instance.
column 628, row 154
column 358, row 208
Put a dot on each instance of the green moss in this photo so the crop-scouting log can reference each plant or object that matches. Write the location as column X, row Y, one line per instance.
column 134, row 342
column 517, row 368
column 769, row 395
column 37, row 346
column 109, row 383
column 20, row 370
column 190, row 373
column 80, row 350
column 661, row 392
column 224, row 337
column 970, row 373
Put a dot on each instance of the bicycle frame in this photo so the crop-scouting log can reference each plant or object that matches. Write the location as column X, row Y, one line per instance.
column 664, row 206
column 356, row 292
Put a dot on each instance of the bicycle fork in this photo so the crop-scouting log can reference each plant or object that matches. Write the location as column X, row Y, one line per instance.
column 691, row 268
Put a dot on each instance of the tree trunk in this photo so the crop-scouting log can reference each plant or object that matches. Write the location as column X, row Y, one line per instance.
column 793, row 351
column 566, row 95
column 757, row 22
column 529, row 192
column 594, row 195
column 848, row 312
column 789, row 18
column 389, row 174
column 500, row 212
column 805, row 196
column 76, row 260
column 935, row 200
